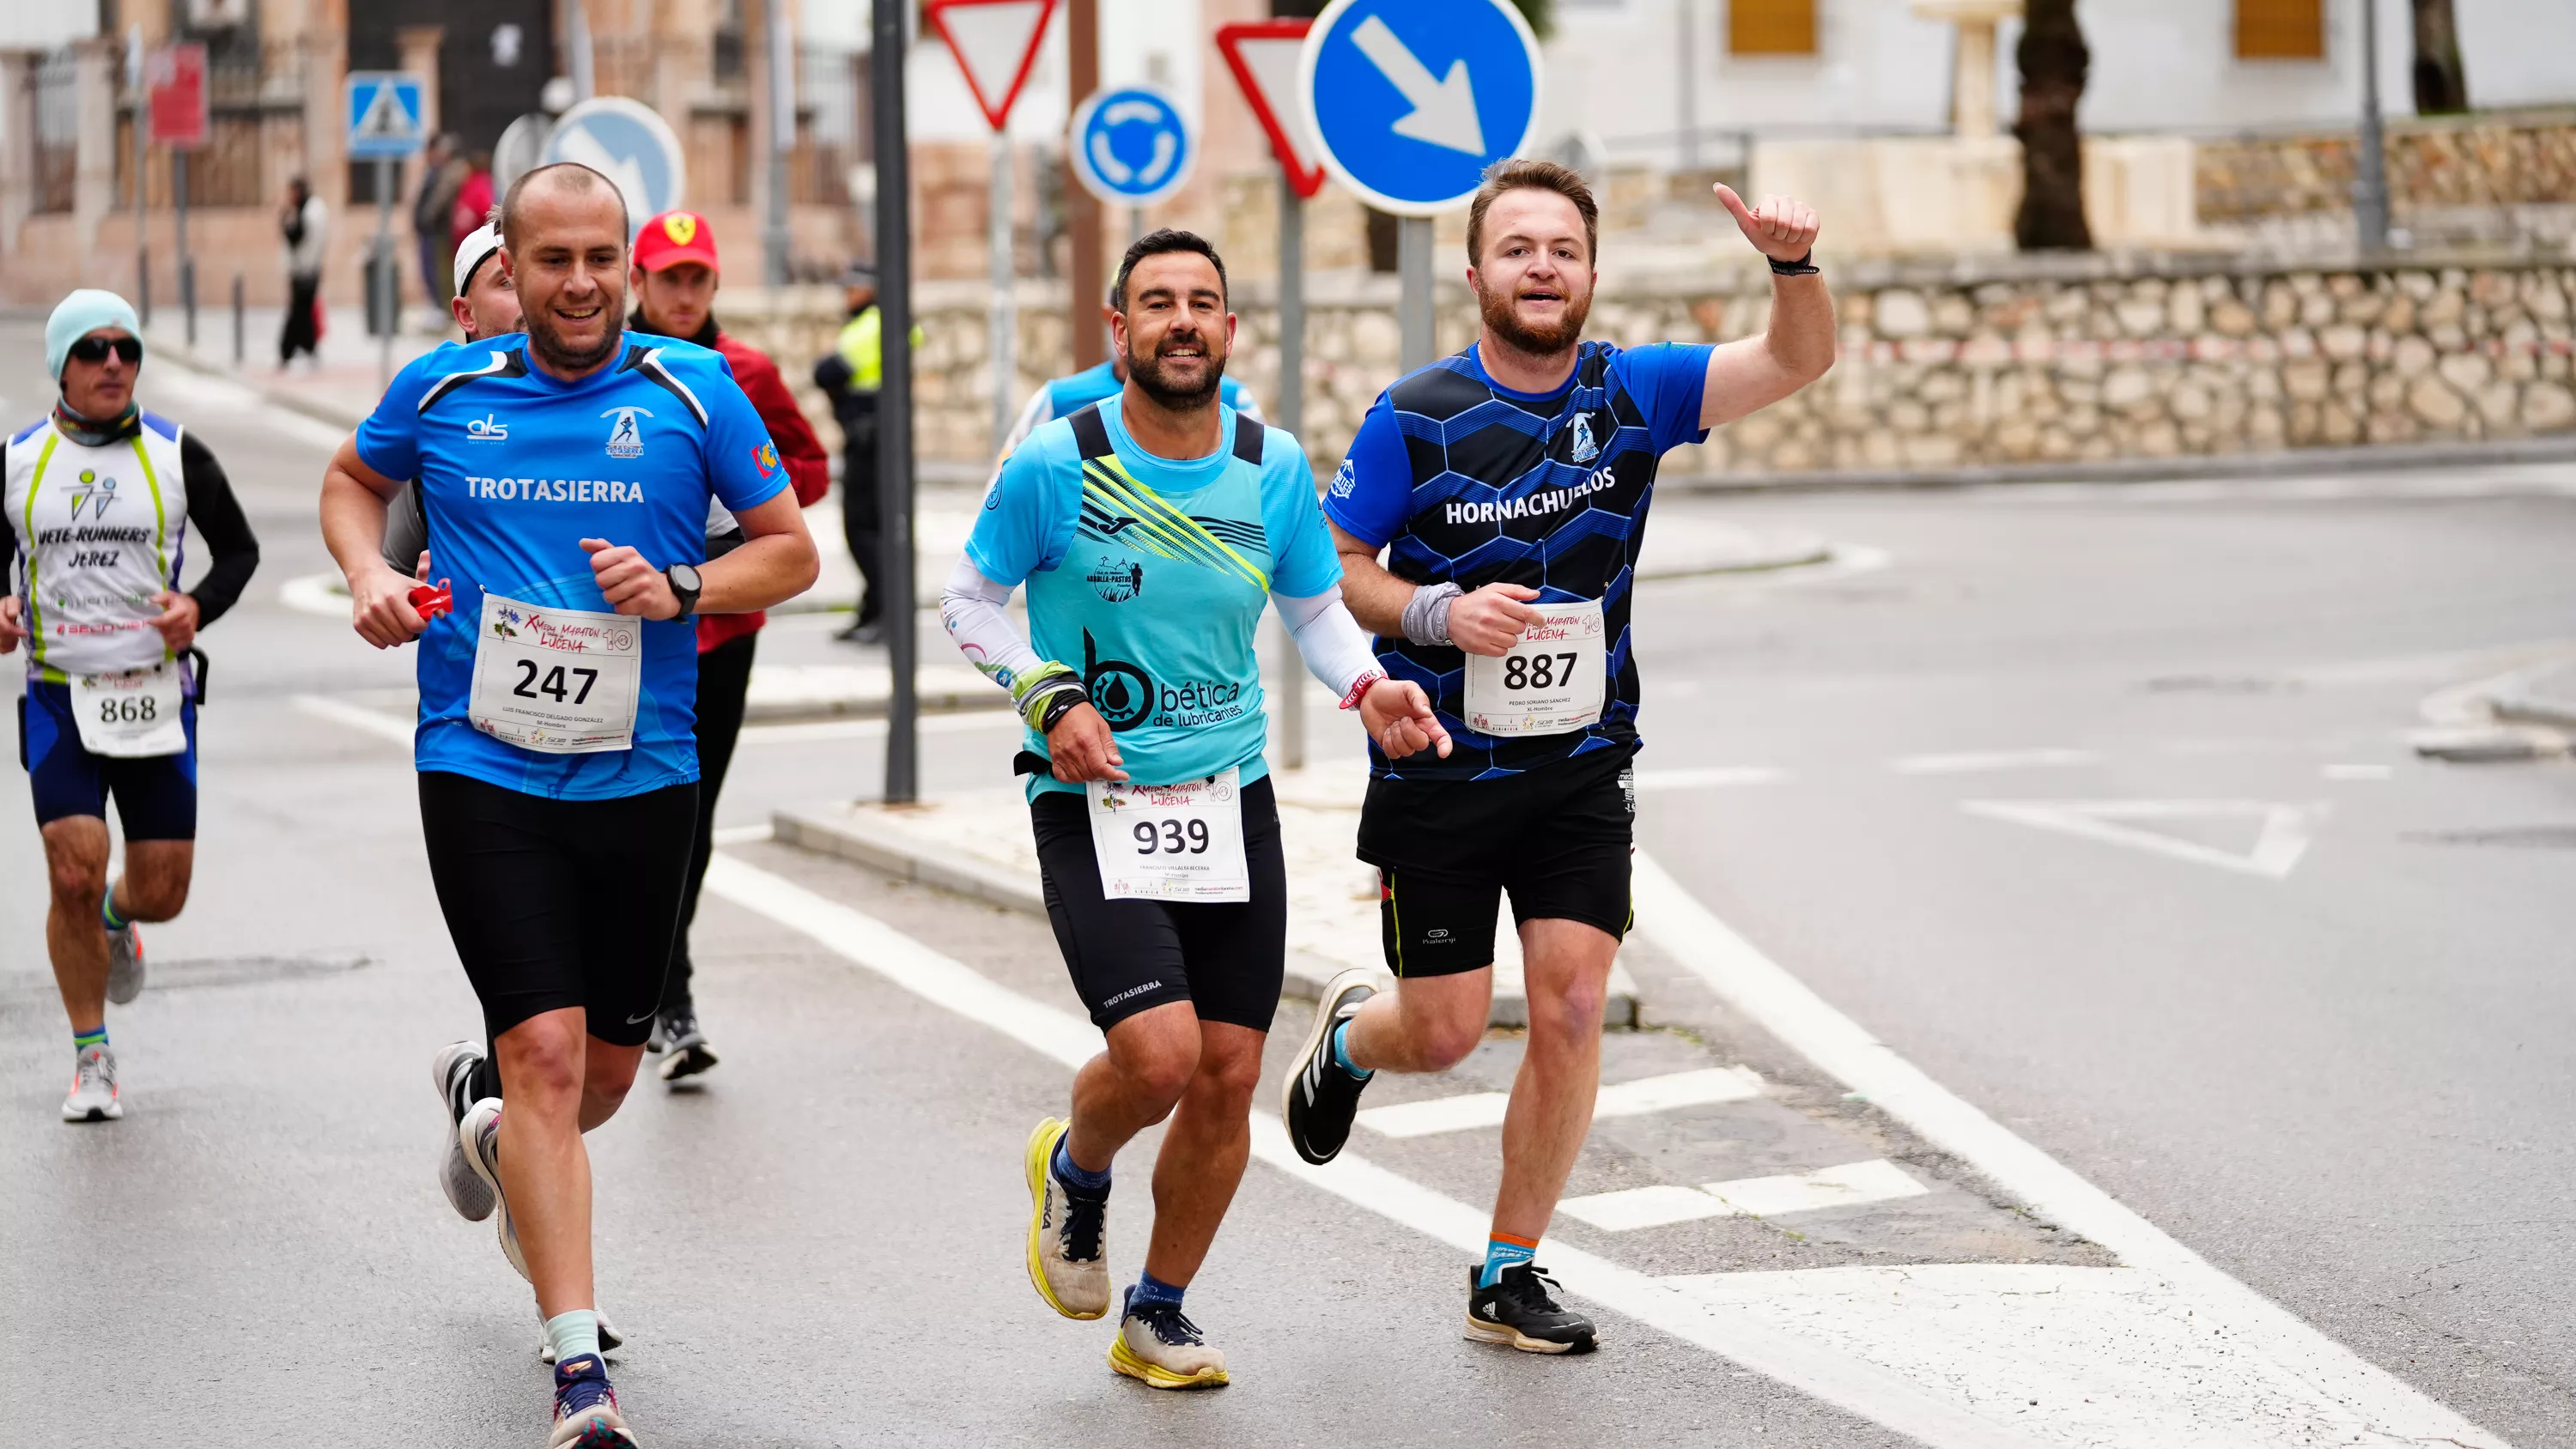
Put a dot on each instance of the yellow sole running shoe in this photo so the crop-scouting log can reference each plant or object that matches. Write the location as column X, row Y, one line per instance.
column 1068, row 1238
column 1166, row 1353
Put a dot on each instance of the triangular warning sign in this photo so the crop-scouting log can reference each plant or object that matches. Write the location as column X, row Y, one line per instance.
column 1263, row 56
column 996, row 44
column 2280, row 833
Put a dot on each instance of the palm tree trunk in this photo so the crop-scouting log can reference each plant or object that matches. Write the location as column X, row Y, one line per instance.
column 2441, row 84
column 2053, row 61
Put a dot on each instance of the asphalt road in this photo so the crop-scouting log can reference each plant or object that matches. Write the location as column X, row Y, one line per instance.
column 2343, row 1077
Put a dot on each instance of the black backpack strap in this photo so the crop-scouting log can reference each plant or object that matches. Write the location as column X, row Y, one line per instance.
column 1247, row 439
column 1091, row 434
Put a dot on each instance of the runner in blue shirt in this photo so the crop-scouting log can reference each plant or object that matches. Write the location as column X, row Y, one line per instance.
column 1064, row 396
column 1151, row 529
column 566, row 475
column 1508, row 486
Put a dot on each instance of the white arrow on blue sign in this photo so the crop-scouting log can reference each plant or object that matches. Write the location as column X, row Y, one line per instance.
column 628, row 142
column 384, row 114
column 1132, row 147
column 1410, row 100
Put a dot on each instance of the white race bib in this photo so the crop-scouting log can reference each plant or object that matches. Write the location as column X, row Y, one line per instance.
column 1170, row 842
column 558, row 681
column 131, row 714
column 1550, row 683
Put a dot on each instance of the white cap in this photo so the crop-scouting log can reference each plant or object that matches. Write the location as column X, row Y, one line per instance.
column 479, row 243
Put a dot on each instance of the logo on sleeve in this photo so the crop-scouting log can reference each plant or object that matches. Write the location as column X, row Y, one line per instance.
column 1344, row 480
column 1584, row 449
column 487, row 429
column 765, row 457
column 625, row 438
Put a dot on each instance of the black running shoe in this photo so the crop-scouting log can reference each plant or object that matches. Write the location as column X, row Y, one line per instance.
column 1319, row 1099
column 1518, row 1311
column 689, row 1053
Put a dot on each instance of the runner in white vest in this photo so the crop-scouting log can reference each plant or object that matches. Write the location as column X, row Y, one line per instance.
column 100, row 496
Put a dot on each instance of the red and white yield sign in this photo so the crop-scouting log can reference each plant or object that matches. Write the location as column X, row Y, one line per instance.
column 1263, row 56
column 996, row 45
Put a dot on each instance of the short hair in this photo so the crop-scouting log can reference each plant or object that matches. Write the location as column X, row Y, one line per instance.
column 1158, row 243
column 576, row 178
column 1519, row 174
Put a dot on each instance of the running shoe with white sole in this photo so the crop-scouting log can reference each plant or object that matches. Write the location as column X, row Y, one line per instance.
column 586, row 1415
column 1068, row 1235
column 93, row 1095
column 452, row 1073
column 1319, row 1100
column 689, row 1054
column 1160, row 1346
column 1518, row 1311
column 480, row 1133
column 610, row 1340
column 124, row 964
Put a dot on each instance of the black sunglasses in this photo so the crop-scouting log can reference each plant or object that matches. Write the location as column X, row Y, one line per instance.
column 95, row 349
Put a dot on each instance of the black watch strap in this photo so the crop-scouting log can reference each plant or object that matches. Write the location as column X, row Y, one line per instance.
column 688, row 597
column 1803, row 267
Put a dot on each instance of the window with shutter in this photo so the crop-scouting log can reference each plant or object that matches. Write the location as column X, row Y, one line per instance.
column 2280, row 30
column 1771, row 27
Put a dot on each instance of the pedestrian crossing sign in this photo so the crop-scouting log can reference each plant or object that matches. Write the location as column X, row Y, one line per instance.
column 384, row 114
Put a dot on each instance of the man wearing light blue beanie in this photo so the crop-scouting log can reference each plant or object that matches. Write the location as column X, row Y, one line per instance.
column 100, row 496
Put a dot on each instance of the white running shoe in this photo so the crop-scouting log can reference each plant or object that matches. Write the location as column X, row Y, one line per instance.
column 610, row 1340
column 448, row 1072
column 93, row 1095
column 480, row 1133
column 124, row 965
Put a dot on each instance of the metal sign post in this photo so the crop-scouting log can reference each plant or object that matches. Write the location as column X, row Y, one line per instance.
column 142, row 244
column 782, row 139
column 2370, row 187
column 175, row 105
column 894, row 399
column 384, row 111
column 1003, row 317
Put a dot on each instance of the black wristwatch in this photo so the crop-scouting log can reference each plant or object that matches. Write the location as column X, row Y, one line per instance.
column 1803, row 267
column 686, row 586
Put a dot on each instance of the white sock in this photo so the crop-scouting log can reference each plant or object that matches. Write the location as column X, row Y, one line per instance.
column 573, row 1333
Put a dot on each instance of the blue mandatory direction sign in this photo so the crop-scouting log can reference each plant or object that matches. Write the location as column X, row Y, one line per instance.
column 384, row 110
column 628, row 142
column 1410, row 100
column 1132, row 146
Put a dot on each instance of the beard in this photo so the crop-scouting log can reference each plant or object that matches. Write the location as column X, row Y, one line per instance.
column 1157, row 383
column 1505, row 325
column 551, row 349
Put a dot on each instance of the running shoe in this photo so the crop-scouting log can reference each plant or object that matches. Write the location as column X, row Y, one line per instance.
column 452, row 1072
column 480, row 1133
column 1319, row 1099
column 93, row 1095
column 586, row 1414
column 610, row 1340
column 124, row 964
column 1068, row 1235
column 689, row 1054
column 1518, row 1311
column 1158, row 1344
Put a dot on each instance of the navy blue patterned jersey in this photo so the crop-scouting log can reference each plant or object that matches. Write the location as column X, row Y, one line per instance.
column 1477, row 484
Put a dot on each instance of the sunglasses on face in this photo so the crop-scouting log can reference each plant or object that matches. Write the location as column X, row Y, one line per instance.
column 96, row 349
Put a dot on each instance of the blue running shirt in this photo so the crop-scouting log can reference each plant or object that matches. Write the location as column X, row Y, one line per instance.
column 516, row 467
column 1149, row 576
column 1477, row 484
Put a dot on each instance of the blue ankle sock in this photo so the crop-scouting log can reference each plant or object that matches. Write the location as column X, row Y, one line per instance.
column 83, row 1040
column 1070, row 1173
column 1502, row 1252
column 107, row 915
column 1150, row 1289
column 1342, row 1051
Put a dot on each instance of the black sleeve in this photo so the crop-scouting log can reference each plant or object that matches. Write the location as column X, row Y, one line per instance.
column 8, row 538
column 832, row 374
column 217, row 516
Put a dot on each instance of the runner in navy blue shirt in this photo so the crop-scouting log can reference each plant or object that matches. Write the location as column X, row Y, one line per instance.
column 1508, row 487
column 566, row 475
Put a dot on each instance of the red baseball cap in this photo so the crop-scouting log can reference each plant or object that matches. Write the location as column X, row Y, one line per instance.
column 675, row 237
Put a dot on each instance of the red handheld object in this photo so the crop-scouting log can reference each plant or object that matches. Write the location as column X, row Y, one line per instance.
column 430, row 601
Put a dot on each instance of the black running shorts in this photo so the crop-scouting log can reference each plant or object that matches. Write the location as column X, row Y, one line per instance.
column 556, row 903
column 1126, row 955
column 1556, row 838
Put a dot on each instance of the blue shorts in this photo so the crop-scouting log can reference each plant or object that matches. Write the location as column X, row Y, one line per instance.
column 156, row 798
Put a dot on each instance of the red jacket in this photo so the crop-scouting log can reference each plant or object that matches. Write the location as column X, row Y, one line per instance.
column 809, row 471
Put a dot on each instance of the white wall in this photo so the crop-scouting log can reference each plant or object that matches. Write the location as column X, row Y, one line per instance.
column 31, row 25
column 2519, row 52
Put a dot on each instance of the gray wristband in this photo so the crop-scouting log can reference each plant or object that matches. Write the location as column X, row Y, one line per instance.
column 1426, row 615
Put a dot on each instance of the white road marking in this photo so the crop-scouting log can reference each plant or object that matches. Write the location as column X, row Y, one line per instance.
column 1974, row 761
column 2277, row 1380
column 326, row 594
column 1708, row 776
column 1832, row 1375
column 1469, row 1110
column 2282, row 840
column 2359, row 772
column 1850, row 1185
column 962, row 722
column 383, row 726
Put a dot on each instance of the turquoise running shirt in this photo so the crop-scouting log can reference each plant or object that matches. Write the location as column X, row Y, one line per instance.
column 1149, row 575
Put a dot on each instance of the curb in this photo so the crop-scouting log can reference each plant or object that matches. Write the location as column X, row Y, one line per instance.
column 2525, row 706
column 170, row 349
column 2297, row 463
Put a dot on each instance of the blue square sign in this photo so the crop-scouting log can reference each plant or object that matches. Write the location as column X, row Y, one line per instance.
column 384, row 114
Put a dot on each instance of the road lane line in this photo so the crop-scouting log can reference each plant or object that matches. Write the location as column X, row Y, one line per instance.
column 2338, row 1382
column 1470, row 1110
column 2282, row 837
column 1851, row 1185
column 1975, row 761
column 357, row 717
column 1832, row 1375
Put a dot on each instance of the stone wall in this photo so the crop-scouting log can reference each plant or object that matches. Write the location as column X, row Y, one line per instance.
column 2025, row 361
column 2485, row 160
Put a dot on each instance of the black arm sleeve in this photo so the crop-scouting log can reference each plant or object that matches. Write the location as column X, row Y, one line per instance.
column 217, row 516
column 8, row 538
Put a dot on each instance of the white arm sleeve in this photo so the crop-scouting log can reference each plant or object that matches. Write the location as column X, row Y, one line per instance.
column 977, row 613
column 1335, row 648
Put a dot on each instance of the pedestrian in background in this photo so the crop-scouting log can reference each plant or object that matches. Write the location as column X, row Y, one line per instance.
column 305, row 221
column 850, row 375
column 474, row 197
column 433, row 208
